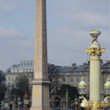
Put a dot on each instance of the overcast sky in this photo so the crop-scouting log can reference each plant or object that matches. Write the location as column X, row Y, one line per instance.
column 68, row 26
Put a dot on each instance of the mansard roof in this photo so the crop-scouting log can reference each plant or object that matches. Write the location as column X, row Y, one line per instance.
column 77, row 69
column 67, row 69
column 106, row 67
column 81, row 68
column 106, row 64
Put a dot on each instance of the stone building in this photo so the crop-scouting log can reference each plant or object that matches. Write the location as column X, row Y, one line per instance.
column 63, row 74
column 11, row 78
column 105, row 69
column 72, row 75
column 24, row 66
column 13, row 74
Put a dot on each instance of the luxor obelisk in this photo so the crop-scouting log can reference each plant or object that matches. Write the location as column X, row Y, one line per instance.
column 40, row 83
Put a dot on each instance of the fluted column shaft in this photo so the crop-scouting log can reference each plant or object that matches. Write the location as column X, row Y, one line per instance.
column 95, row 80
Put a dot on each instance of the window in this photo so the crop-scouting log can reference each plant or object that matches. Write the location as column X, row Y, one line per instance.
column 63, row 79
column 13, row 70
column 16, row 78
column 77, row 79
column 71, row 79
column 9, row 84
column 28, row 63
column 31, row 63
column 17, row 70
column 24, row 64
column 8, row 78
column 16, row 84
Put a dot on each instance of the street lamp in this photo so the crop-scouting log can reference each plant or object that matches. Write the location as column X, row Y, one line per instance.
column 95, row 52
column 107, row 92
column 14, row 105
column 76, row 103
column 107, row 87
column 26, row 101
column 2, row 104
column 30, row 101
column 50, row 102
column 67, row 98
column 6, row 100
column 82, row 86
column 19, row 103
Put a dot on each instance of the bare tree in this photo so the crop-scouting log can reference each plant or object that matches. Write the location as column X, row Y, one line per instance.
column 2, row 87
column 22, row 87
column 53, row 78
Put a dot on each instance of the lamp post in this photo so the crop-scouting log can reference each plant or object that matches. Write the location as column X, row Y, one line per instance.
column 19, row 103
column 30, row 101
column 67, row 99
column 82, row 87
column 6, row 100
column 26, row 102
column 107, row 92
column 50, row 102
column 14, row 105
column 95, row 52
column 76, row 103
column 107, row 87
column 2, row 105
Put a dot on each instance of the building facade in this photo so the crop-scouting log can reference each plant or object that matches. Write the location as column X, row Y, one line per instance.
column 12, row 78
column 70, row 75
column 23, row 67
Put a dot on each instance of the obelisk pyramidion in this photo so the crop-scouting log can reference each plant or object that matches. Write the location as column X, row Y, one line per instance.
column 40, row 83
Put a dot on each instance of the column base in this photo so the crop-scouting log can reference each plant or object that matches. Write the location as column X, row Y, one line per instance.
column 40, row 108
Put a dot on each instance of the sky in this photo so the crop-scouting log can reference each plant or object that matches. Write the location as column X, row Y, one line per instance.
column 68, row 26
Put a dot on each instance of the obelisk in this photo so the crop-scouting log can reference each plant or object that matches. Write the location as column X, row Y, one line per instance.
column 40, row 83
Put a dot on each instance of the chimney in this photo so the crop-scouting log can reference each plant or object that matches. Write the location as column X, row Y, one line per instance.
column 74, row 65
column 85, row 65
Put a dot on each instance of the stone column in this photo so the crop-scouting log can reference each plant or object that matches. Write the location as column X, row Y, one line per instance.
column 95, row 91
column 95, row 52
column 40, row 83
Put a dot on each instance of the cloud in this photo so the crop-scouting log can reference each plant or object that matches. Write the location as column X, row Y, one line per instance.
column 80, row 16
column 75, row 39
column 85, row 18
column 10, row 33
column 67, row 46
column 14, row 46
column 91, row 18
column 15, row 37
column 69, row 24
column 69, row 32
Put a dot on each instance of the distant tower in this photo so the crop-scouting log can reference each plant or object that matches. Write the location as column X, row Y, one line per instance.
column 40, row 83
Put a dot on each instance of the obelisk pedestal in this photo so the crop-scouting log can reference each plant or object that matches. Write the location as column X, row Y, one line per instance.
column 40, row 83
